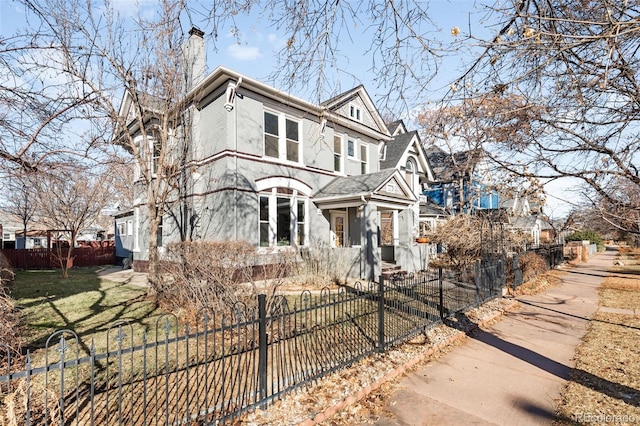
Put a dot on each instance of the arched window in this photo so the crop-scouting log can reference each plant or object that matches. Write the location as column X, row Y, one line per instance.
column 410, row 170
column 283, row 205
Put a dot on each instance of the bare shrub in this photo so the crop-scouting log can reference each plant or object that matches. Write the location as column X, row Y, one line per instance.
column 461, row 237
column 218, row 275
column 322, row 264
column 9, row 318
column 531, row 265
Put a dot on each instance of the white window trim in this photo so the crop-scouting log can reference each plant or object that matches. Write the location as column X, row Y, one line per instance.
column 366, row 161
column 342, row 153
column 283, row 182
column 332, row 234
column 282, row 137
column 272, row 194
column 355, row 112
column 355, row 148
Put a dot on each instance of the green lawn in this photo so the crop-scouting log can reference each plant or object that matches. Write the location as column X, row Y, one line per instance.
column 83, row 303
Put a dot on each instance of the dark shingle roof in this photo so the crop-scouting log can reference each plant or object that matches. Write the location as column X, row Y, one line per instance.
column 395, row 148
column 355, row 185
column 393, row 126
column 447, row 166
column 432, row 209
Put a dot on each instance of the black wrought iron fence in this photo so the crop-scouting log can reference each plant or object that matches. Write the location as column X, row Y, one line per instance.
column 552, row 254
column 221, row 367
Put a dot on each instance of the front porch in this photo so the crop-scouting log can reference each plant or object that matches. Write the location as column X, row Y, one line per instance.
column 374, row 213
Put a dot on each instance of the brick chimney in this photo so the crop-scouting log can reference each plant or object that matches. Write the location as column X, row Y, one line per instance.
column 194, row 58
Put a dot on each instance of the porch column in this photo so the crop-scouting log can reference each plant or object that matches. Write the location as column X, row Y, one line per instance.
column 407, row 254
column 370, row 263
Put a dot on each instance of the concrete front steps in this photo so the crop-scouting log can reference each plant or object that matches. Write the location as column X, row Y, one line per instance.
column 391, row 270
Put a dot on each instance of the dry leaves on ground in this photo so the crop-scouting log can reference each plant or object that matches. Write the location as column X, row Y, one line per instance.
column 311, row 400
column 605, row 384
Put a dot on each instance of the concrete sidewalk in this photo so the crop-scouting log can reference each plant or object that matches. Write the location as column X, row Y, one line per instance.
column 512, row 373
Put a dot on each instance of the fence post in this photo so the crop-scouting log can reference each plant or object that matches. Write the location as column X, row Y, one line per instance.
column 381, row 314
column 262, row 346
column 440, row 292
column 479, row 279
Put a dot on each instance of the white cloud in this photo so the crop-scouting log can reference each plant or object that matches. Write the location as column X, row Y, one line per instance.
column 133, row 8
column 243, row 52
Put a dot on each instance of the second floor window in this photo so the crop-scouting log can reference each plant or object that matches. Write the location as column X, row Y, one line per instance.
column 281, row 137
column 271, row 138
column 364, row 157
column 351, row 148
column 293, row 141
column 337, row 153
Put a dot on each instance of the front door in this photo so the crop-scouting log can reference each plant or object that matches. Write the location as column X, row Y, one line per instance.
column 338, row 229
column 387, row 237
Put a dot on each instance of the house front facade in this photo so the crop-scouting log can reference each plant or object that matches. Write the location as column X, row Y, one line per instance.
column 282, row 173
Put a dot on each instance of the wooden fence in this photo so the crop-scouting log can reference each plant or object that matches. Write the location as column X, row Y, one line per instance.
column 49, row 258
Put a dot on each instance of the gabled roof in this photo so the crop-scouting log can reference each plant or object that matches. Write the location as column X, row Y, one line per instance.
column 359, row 92
column 399, row 145
column 397, row 127
column 448, row 166
column 396, row 148
column 386, row 186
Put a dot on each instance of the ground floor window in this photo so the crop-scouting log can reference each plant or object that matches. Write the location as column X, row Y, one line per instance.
column 426, row 226
column 282, row 218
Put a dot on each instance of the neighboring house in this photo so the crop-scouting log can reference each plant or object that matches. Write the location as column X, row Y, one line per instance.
column 283, row 173
column 9, row 225
column 462, row 181
column 526, row 218
column 35, row 239
column 124, row 240
column 531, row 226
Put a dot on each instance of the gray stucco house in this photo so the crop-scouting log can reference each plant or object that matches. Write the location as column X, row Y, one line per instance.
column 280, row 172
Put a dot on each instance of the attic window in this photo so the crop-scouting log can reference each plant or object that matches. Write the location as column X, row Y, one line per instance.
column 355, row 112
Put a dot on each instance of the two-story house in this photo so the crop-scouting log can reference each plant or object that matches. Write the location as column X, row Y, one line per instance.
column 462, row 181
column 280, row 172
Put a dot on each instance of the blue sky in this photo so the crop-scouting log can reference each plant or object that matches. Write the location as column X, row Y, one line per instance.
column 253, row 52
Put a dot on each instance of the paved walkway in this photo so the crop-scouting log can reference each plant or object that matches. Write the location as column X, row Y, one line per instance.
column 127, row 276
column 513, row 373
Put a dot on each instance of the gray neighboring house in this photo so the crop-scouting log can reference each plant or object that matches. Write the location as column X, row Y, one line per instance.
column 283, row 173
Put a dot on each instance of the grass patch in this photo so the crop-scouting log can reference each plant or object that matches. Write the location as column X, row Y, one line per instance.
column 83, row 303
column 606, row 378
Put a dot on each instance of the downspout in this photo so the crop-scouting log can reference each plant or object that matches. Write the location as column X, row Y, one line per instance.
column 235, row 137
column 235, row 173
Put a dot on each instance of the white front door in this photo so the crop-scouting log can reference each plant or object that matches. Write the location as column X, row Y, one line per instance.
column 338, row 229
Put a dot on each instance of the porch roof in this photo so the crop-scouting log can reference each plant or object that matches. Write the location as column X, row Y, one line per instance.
column 386, row 187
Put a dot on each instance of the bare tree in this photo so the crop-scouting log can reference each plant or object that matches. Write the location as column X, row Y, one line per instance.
column 403, row 45
column 40, row 104
column 474, row 129
column 105, row 55
column 575, row 67
column 70, row 200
